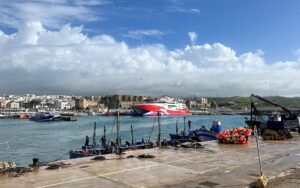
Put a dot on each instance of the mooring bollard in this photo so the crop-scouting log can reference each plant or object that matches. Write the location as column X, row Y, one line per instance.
column 35, row 161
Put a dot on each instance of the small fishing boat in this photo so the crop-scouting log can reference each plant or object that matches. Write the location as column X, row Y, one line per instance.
column 200, row 135
column 22, row 116
column 88, row 151
column 275, row 121
column 107, row 147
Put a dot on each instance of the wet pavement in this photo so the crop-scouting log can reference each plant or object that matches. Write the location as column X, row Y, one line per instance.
column 290, row 179
column 217, row 165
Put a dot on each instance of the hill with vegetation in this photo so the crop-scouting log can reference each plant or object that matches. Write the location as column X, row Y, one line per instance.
column 244, row 102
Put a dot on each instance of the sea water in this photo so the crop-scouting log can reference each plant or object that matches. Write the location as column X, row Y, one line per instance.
column 52, row 140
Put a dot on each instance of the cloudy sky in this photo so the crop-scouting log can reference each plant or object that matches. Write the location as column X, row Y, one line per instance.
column 154, row 47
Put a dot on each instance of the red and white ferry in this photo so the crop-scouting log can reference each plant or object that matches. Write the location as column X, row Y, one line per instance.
column 165, row 107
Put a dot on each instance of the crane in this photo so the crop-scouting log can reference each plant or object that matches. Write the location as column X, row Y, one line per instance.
column 274, row 104
column 276, row 123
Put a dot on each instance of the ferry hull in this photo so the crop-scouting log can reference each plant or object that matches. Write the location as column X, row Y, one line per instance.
column 151, row 110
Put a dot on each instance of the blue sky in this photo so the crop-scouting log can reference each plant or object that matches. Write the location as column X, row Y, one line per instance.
column 248, row 25
column 271, row 25
column 200, row 46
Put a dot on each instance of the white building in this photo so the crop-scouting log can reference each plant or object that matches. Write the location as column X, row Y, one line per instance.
column 13, row 105
column 62, row 105
column 3, row 104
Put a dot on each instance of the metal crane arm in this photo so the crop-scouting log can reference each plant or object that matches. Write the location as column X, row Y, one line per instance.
column 274, row 104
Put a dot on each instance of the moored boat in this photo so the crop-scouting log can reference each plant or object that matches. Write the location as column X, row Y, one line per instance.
column 200, row 135
column 275, row 122
column 165, row 108
column 22, row 116
column 88, row 151
column 45, row 116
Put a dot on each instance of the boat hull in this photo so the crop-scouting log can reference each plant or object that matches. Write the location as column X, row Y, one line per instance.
column 204, row 135
column 152, row 109
column 197, row 135
column 45, row 117
column 79, row 154
column 180, row 137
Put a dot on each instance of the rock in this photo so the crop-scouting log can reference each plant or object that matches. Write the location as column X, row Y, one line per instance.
column 199, row 145
column 53, row 167
column 131, row 156
column 146, row 156
column 98, row 158
column 20, row 170
column 188, row 145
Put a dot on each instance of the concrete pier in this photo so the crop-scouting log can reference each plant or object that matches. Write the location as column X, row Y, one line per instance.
column 217, row 165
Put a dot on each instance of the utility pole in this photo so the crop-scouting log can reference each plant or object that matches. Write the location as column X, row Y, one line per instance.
column 159, row 131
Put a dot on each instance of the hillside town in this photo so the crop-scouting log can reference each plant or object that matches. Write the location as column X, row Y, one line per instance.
column 88, row 104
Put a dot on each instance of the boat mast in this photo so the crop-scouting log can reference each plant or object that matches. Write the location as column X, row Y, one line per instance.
column 184, row 118
column 159, row 130
column 118, row 132
column 251, row 109
column 176, row 127
column 131, row 135
column 104, row 137
column 94, row 135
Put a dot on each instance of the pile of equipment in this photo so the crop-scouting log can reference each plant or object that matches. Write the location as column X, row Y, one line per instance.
column 276, row 135
column 234, row 136
column 7, row 166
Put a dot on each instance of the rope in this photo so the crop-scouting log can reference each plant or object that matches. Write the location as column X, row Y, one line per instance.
column 60, row 157
column 112, row 128
column 152, row 129
column 8, row 149
column 257, row 147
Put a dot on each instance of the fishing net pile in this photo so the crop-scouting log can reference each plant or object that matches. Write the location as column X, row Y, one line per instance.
column 234, row 136
column 276, row 135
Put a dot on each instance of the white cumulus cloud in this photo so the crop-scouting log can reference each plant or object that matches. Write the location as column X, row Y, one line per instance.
column 139, row 34
column 52, row 13
column 193, row 37
column 39, row 60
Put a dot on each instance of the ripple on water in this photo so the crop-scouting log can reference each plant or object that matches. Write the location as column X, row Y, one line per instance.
column 50, row 140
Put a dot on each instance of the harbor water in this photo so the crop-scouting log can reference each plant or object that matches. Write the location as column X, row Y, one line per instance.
column 52, row 140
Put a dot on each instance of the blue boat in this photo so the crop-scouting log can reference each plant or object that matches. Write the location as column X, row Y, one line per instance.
column 200, row 135
column 45, row 116
column 90, row 150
